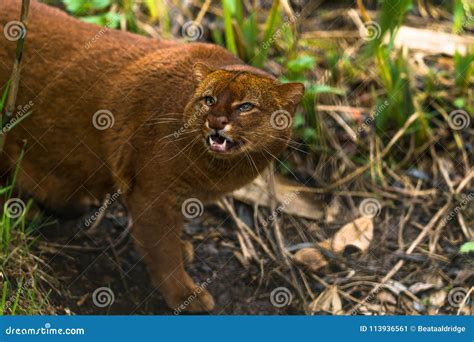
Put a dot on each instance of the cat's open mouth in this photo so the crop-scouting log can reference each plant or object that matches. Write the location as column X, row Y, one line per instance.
column 220, row 143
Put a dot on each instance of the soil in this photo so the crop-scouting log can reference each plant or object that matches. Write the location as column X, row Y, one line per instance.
column 85, row 259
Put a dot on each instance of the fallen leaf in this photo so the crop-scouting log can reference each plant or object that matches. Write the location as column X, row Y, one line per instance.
column 328, row 301
column 333, row 211
column 395, row 286
column 294, row 199
column 358, row 233
column 420, row 287
column 437, row 298
column 310, row 258
column 386, row 297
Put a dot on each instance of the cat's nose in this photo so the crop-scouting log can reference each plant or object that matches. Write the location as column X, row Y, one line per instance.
column 218, row 122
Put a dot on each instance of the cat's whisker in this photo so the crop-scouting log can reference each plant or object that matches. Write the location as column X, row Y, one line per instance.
column 280, row 162
column 249, row 157
column 182, row 134
column 183, row 150
column 290, row 143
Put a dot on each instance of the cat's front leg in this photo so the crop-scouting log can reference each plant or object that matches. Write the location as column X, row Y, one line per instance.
column 157, row 226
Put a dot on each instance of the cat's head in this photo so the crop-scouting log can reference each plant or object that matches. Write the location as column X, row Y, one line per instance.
column 241, row 109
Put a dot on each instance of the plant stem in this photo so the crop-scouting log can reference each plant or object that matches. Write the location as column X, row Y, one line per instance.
column 15, row 78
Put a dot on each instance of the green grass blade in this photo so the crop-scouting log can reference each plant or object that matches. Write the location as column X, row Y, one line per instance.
column 228, row 7
column 270, row 27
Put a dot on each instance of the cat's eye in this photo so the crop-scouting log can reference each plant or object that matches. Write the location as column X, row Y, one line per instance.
column 245, row 107
column 209, row 100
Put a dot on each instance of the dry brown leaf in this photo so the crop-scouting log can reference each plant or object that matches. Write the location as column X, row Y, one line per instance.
column 333, row 211
column 386, row 297
column 328, row 301
column 432, row 42
column 310, row 258
column 358, row 233
column 420, row 287
column 437, row 298
column 293, row 198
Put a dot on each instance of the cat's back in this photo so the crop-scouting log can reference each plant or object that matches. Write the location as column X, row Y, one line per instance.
column 58, row 44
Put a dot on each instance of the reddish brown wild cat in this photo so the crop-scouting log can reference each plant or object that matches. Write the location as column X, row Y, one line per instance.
column 161, row 121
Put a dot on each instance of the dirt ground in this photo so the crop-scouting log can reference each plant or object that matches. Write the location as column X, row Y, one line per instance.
column 114, row 263
column 86, row 259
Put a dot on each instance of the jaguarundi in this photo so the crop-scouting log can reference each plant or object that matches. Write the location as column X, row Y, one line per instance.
column 160, row 121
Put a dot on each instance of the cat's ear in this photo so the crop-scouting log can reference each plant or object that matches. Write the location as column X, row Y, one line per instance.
column 200, row 72
column 291, row 93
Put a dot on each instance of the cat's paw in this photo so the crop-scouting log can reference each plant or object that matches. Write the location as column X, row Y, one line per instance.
column 197, row 300
column 188, row 251
column 203, row 302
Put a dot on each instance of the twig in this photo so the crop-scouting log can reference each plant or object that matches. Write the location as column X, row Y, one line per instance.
column 387, row 149
column 413, row 245
column 15, row 78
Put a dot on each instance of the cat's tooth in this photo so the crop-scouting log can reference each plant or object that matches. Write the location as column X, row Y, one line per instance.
column 224, row 144
column 211, row 141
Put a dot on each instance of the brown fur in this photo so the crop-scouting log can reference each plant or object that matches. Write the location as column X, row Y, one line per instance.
column 153, row 89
